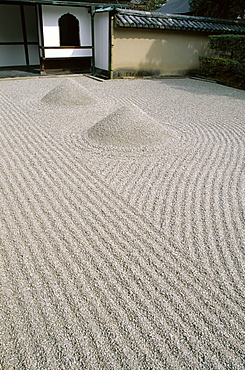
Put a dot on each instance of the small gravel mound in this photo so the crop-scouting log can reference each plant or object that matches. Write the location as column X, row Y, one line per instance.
column 128, row 126
column 68, row 93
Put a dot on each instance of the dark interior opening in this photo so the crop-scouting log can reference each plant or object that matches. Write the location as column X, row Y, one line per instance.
column 69, row 30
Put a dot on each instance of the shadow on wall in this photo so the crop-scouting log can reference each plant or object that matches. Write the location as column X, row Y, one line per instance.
column 174, row 57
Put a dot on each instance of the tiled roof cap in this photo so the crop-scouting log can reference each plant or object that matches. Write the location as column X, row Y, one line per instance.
column 141, row 19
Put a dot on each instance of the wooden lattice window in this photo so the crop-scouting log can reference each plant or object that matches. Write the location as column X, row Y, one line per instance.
column 69, row 30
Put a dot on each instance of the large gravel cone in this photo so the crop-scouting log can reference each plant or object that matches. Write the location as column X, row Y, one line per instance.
column 128, row 126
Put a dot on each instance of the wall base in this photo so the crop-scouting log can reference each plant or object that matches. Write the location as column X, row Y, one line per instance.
column 58, row 65
column 102, row 73
column 128, row 72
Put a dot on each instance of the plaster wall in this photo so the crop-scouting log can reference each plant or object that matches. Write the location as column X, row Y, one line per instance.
column 51, row 15
column 101, row 28
column 157, row 52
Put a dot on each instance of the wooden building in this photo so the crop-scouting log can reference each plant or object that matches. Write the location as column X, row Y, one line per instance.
column 56, row 35
column 103, row 39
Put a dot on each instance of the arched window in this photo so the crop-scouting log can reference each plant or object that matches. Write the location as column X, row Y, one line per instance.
column 69, row 30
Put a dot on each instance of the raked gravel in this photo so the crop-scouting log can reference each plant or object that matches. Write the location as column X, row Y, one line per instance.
column 122, row 224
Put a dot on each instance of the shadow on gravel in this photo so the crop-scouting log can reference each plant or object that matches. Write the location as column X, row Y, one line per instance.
column 204, row 87
column 6, row 72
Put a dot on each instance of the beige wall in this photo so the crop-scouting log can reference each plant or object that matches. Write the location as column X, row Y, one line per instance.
column 156, row 52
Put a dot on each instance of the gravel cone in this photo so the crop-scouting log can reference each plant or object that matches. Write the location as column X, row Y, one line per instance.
column 68, row 93
column 128, row 126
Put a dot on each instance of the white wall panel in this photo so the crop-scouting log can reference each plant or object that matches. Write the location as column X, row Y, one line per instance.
column 51, row 36
column 67, row 53
column 33, row 54
column 101, row 25
column 12, row 55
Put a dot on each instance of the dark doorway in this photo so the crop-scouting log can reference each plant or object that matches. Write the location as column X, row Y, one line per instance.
column 69, row 30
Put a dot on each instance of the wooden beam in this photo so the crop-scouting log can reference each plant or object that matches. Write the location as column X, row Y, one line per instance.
column 18, row 43
column 66, row 47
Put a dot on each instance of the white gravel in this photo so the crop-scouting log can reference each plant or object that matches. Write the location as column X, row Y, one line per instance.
column 122, row 224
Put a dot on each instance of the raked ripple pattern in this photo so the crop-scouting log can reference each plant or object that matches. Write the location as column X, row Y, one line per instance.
column 122, row 262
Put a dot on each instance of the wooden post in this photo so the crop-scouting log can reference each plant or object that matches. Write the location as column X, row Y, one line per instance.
column 41, row 38
column 92, row 32
column 23, row 22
